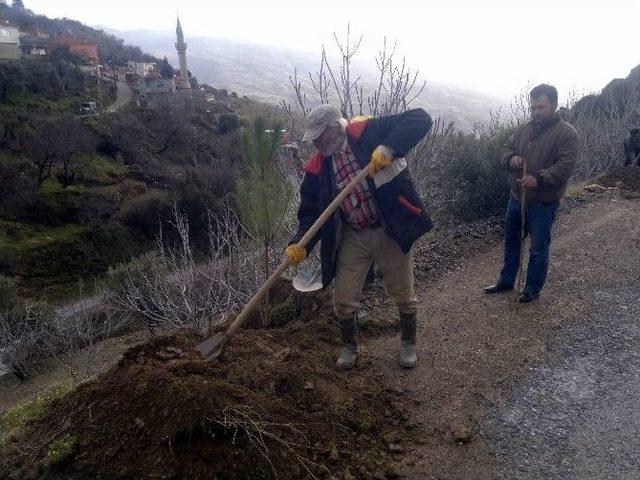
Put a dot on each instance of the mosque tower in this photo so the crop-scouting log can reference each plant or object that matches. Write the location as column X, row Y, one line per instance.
column 183, row 80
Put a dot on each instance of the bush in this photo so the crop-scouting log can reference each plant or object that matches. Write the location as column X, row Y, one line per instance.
column 202, row 192
column 130, row 189
column 464, row 180
column 97, row 207
column 7, row 261
column 23, row 330
column 17, row 189
column 227, row 123
column 9, row 297
column 80, row 253
column 142, row 214
column 52, row 208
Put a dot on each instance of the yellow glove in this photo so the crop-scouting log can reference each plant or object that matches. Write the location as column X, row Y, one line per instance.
column 296, row 253
column 380, row 158
column 361, row 118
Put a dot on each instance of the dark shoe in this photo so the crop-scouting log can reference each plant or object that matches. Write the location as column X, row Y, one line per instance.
column 408, row 325
column 497, row 288
column 349, row 352
column 527, row 297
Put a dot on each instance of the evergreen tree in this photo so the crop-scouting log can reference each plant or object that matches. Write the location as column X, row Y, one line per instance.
column 165, row 69
column 264, row 194
column 18, row 4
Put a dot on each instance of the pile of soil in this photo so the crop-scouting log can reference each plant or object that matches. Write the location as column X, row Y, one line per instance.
column 274, row 407
column 628, row 177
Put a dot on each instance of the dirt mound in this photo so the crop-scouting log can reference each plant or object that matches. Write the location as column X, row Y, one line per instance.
column 273, row 408
column 629, row 177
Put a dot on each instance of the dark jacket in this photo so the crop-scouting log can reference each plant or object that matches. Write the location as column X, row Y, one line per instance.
column 551, row 152
column 403, row 212
column 632, row 148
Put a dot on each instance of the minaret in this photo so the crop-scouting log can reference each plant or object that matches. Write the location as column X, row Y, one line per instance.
column 181, row 47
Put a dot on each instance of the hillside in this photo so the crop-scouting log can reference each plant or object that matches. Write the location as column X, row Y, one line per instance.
column 262, row 73
column 111, row 49
column 544, row 391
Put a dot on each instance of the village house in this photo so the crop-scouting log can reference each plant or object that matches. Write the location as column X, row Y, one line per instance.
column 34, row 46
column 141, row 69
column 9, row 41
column 152, row 86
column 79, row 46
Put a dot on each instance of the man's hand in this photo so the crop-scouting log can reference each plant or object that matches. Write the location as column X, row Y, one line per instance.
column 380, row 158
column 516, row 162
column 528, row 181
column 296, row 253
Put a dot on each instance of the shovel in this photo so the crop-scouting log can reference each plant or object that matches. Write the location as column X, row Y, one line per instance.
column 308, row 280
column 214, row 347
column 523, row 219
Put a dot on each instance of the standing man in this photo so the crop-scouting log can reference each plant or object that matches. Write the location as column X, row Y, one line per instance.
column 632, row 148
column 550, row 147
column 378, row 221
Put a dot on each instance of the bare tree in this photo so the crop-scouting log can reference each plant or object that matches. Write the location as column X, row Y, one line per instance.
column 169, row 289
column 74, row 143
column 64, row 141
column 397, row 86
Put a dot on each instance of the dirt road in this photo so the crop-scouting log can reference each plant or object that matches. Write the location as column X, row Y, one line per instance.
column 548, row 391
column 124, row 94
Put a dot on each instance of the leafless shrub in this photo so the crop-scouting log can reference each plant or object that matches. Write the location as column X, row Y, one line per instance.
column 34, row 332
column 603, row 122
column 82, row 332
column 22, row 330
column 168, row 288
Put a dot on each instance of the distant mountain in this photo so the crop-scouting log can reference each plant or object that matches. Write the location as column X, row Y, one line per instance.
column 261, row 72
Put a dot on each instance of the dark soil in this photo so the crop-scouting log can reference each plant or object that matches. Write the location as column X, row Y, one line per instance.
column 273, row 408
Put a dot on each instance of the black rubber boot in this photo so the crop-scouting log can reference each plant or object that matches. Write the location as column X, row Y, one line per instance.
column 349, row 352
column 408, row 326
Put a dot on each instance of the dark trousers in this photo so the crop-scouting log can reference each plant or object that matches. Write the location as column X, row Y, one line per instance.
column 538, row 222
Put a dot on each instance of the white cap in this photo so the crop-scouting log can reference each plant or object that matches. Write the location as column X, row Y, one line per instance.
column 318, row 119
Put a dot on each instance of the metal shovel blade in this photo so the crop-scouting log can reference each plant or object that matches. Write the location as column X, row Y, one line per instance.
column 213, row 347
column 308, row 280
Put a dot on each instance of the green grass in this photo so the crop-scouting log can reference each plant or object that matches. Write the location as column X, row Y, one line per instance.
column 61, row 449
column 576, row 189
column 19, row 237
column 56, row 260
column 49, row 252
column 27, row 101
column 14, row 421
column 52, row 185
column 100, row 171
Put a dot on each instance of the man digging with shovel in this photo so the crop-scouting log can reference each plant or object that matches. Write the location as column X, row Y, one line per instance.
column 378, row 221
column 541, row 157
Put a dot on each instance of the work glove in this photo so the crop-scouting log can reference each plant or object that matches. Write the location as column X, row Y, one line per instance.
column 295, row 253
column 380, row 158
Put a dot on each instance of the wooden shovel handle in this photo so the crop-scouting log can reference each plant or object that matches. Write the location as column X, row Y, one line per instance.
column 313, row 230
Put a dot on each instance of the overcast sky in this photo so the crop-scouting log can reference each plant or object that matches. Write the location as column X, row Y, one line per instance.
column 492, row 46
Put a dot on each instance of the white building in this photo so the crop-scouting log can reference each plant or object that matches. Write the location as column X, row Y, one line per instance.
column 9, row 42
column 153, row 86
column 142, row 69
